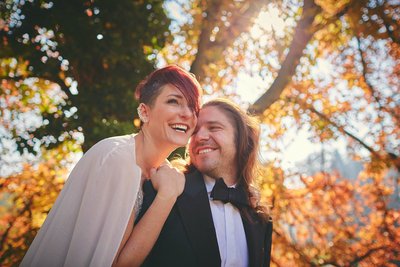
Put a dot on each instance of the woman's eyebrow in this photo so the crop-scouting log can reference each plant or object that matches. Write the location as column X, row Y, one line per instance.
column 176, row 95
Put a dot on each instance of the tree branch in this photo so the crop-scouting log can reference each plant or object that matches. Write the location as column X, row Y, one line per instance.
column 297, row 250
column 239, row 22
column 370, row 88
column 384, row 157
column 387, row 23
column 209, row 21
column 366, row 255
column 344, row 131
column 303, row 33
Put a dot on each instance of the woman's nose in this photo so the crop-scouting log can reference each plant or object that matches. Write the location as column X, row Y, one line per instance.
column 187, row 112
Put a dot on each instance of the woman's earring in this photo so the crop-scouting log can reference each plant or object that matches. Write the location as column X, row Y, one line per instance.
column 139, row 112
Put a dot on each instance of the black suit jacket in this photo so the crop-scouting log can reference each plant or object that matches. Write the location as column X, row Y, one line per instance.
column 188, row 236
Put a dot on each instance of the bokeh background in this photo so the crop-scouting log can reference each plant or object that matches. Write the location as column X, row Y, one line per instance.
column 323, row 77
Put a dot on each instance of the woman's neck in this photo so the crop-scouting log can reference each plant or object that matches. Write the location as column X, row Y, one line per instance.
column 149, row 153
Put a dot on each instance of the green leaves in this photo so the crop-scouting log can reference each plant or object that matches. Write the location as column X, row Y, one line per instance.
column 99, row 44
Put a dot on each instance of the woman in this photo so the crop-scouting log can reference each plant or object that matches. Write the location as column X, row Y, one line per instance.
column 92, row 221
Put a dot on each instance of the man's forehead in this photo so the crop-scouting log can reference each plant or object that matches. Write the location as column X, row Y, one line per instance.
column 212, row 115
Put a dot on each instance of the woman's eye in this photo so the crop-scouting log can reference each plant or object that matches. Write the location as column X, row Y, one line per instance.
column 172, row 101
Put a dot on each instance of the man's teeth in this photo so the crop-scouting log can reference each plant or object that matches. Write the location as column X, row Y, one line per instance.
column 203, row 151
column 179, row 127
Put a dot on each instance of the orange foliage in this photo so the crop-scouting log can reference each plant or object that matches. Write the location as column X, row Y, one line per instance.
column 326, row 219
column 26, row 199
column 332, row 221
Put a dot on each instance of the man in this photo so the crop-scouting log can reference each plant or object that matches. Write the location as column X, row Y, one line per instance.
column 216, row 220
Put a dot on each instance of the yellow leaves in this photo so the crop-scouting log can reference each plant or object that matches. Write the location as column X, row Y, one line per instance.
column 147, row 49
column 332, row 6
column 27, row 198
column 12, row 67
column 38, row 219
column 332, row 28
column 320, row 19
column 267, row 190
column 391, row 221
column 136, row 122
column 302, row 233
column 351, row 79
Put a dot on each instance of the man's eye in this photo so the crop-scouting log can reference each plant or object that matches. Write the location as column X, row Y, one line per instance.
column 214, row 128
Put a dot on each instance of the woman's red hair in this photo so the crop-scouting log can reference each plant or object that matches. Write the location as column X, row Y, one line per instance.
column 148, row 89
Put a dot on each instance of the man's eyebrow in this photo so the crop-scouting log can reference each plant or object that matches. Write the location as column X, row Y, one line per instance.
column 212, row 122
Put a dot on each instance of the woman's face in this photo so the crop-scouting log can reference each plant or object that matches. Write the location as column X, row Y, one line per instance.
column 170, row 118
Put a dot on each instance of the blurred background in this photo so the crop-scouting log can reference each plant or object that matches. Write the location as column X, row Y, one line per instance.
column 323, row 77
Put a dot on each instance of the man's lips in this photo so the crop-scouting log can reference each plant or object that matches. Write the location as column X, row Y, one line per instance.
column 204, row 150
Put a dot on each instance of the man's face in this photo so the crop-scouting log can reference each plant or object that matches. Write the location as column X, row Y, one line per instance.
column 212, row 148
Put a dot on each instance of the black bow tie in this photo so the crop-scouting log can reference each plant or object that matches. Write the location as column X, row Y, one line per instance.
column 235, row 196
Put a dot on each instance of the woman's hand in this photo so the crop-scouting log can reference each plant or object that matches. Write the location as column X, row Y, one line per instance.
column 139, row 239
column 167, row 181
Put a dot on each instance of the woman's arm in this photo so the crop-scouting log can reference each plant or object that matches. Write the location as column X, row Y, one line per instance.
column 139, row 239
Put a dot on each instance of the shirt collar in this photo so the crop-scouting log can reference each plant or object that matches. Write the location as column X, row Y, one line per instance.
column 210, row 182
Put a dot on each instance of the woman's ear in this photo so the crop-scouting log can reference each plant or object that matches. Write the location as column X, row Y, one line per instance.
column 142, row 111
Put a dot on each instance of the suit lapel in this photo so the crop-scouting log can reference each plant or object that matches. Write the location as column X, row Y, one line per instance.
column 255, row 233
column 194, row 210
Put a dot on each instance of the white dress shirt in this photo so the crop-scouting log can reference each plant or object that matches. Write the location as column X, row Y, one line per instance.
column 228, row 225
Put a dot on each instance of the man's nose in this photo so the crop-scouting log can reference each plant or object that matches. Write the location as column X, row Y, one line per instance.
column 201, row 134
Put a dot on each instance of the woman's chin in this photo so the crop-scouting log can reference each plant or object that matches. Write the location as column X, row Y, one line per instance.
column 180, row 142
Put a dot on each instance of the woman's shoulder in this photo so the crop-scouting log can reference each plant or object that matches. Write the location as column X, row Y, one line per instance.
column 115, row 141
column 116, row 148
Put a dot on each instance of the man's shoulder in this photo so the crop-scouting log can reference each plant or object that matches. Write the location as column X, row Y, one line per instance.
column 194, row 182
column 193, row 173
column 194, row 178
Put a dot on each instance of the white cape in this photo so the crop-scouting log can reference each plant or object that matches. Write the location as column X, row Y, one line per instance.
column 88, row 220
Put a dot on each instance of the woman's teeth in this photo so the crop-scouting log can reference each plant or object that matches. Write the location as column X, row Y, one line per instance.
column 179, row 127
